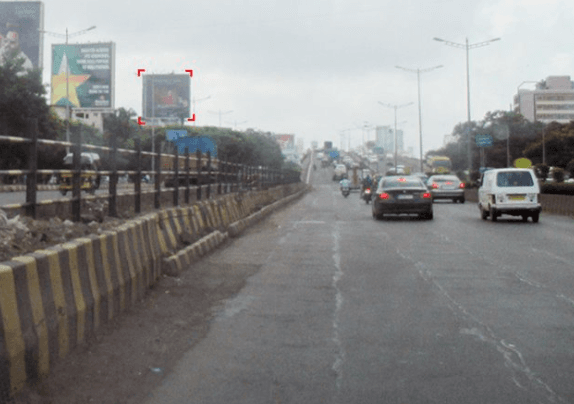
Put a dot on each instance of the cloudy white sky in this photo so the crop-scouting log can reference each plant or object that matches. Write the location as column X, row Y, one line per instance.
column 317, row 67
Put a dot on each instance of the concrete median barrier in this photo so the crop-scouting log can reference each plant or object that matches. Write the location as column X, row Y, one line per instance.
column 54, row 300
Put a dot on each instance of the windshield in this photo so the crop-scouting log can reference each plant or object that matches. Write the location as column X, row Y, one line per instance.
column 514, row 179
column 442, row 163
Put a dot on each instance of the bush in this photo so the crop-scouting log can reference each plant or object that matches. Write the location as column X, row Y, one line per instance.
column 542, row 171
column 558, row 174
column 557, row 189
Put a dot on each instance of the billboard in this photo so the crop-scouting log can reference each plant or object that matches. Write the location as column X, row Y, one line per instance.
column 166, row 96
column 287, row 142
column 87, row 71
column 20, row 25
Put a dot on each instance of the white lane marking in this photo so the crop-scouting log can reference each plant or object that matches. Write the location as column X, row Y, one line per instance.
column 513, row 358
column 340, row 353
column 553, row 256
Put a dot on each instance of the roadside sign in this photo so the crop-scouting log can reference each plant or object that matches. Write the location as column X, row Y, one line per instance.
column 176, row 134
column 522, row 163
column 484, row 140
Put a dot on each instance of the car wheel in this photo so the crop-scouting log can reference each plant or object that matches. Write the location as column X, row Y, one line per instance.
column 524, row 218
column 483, row 214
column 63, row 192
column 493, row 214
column 535, row 217
column 461, row 200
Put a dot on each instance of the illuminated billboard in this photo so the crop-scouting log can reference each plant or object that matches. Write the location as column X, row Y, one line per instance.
column 89, row 82
column 20, row 26
column 166, row 96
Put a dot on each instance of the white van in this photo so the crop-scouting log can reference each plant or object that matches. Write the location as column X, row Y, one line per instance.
column 340, row 171
column 509, row 191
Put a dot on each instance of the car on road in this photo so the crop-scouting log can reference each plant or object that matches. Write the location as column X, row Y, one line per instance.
column 446, row 187
column 402, row 195
column 339, row 172
column 509, row 191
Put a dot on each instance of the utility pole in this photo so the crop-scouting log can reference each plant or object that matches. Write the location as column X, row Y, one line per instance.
column 395, row 107
column 418, row 71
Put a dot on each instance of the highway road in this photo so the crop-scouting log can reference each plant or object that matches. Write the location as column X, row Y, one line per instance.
column 346, row 309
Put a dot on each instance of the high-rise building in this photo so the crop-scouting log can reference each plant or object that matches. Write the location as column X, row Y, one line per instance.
column 551, row 100
column 386, row 139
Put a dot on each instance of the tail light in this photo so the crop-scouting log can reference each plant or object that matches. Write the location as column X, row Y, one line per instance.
column 461, row 185
column 384, row 195
column 367, row 190
column 426, row 195
column 434, row 185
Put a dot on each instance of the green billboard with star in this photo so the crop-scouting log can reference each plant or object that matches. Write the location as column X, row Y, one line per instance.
column 83, row 75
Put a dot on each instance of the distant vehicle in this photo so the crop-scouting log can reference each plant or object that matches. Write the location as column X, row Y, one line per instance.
column 402, row 195
column 424, row 178
column 89, row 179
column 509, row 191
column 340, row 171
column 446, row 187
column 393, row 172
column 439, row 165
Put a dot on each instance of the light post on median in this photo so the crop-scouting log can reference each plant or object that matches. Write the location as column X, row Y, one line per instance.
column 68, row 112
column 418, row 71
column 395, row 107
column 220, row 112
column 467, row 47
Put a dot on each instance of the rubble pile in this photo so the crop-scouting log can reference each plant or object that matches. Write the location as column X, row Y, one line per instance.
column 21, row 235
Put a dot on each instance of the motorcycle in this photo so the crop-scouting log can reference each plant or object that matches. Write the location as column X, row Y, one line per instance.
column 345, row 191
column 366, row 195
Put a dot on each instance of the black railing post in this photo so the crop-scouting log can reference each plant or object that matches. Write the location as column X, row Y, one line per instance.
column 138, row 181
column 208, row 191
column 157, row 175
column 219, row 176
column 113, row 204
column 31, row 179
column 186, row 193
column 176, row 179
column 76, row 178
column 198, row 162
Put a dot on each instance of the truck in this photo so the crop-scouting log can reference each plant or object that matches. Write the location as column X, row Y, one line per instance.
column 438, row 165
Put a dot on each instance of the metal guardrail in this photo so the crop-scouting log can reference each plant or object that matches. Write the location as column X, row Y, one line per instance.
column 215, row 175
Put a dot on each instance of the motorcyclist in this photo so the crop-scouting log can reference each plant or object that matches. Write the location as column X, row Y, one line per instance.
column 367, row 183
column 345, row 183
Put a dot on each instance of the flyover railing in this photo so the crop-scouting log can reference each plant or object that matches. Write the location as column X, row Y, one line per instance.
column 188, row 174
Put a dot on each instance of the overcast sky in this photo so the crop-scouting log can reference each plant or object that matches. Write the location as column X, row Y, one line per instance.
column 316, row 67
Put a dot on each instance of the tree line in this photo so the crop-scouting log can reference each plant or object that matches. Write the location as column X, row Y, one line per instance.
column 513, row 137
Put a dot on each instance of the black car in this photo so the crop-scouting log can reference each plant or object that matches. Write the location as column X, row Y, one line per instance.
column 402, row 194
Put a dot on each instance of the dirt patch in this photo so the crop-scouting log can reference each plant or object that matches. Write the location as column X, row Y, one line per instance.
column 131, row 355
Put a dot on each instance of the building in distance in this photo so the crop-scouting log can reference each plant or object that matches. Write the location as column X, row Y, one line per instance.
column 551, row 100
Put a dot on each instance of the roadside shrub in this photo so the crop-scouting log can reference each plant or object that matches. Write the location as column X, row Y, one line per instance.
column 542, row 171
column 557, row 189
column 558, row 174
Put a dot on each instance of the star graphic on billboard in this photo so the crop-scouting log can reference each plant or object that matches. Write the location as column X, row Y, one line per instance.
column 59, row 85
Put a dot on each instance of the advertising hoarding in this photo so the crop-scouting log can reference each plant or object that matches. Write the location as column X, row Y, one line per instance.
column 166, row 96
column 20, row 26
column 286, row 142
column 90, row 77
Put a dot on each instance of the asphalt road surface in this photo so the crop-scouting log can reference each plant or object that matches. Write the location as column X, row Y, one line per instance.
column 346, row 309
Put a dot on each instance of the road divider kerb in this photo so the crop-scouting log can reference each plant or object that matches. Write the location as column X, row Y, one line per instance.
column 53, row 300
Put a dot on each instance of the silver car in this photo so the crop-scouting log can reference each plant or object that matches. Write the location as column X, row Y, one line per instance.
column 446, row 187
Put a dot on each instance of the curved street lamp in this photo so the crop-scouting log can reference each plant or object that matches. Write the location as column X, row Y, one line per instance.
column 395, row 107
column 467, row 47
column 418, row 71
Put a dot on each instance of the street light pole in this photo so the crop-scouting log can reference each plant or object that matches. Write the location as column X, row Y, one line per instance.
column 194, row 101
column 467, row 47
column 221, row 113
column 395, row 107
column 418, row 71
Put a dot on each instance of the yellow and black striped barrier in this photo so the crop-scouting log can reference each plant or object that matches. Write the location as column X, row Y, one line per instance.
column 55, row 299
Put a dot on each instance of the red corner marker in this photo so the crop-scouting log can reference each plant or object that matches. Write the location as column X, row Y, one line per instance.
column 140, row 71
column 140, row 122
column 190, row 73
column 192, row 119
